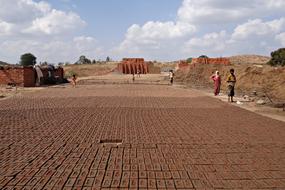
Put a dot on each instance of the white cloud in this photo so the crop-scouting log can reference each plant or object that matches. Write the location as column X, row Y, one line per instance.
column 225, row 11
column 55, row 22
column 215, row 28
column 20, row 11
column 257, row 27
column 208, row 44
column 154, row 37
column 5, row 28
column 48, row 33
column 53, row 51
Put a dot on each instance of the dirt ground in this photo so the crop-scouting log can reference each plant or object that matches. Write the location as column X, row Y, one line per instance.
column 262, row 79
column 89, row 69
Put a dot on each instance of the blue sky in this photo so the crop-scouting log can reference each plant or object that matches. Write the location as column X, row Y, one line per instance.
column 62, row 30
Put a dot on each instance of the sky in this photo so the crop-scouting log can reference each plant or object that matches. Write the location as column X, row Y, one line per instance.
column 164, row 30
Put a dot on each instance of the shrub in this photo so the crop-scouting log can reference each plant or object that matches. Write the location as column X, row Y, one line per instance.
column 277, row 58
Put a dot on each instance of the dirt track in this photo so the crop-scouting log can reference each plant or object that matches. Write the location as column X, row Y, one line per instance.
column 171, row 138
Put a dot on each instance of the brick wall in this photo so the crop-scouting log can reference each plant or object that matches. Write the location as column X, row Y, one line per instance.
column 9, row 75
column 24, row 76
column 21, row 76
column 195, row 61
column 29, row 77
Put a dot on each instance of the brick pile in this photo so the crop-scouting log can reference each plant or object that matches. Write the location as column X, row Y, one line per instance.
column 21, row 76
column 133, row 65
column 24, row 76
column 207, row 61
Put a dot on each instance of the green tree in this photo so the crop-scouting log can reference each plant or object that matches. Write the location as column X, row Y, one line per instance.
column 189, row 60
column 28, row 59
column 108, row 59
column 277, row 58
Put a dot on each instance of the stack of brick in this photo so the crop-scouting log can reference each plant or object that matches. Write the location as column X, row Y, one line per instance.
column 133, row 65
column 212, row 61
column 25, row 76
column 20, row 76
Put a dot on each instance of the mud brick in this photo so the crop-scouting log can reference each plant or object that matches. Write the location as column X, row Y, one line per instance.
column 116, row 183
column 167, row 175
column 197, row 183
column 142, row 166
column 67, row 188
column 161, row 183
column 41, row 172
column 124, row 182
column 86, row 188
column 157, row 167
column 142, row 174
column 149, row 167
column 42, row 182
column 100, row 174
column 66, row 173
column 118, row 167
column 70, row 182
column 89, row 182
column 75, row 173
column 33, row 181
column 142, row 183
column 52, row 181
column 134, row 174
column 151, row 183
column 117, row 174
column 92, row 173
column 80, row 181
column 169, row 183
column 159, row 175
column 175, row 174
column 188, row 183
column 134, row 167
column 126, row 174
column 183, row 175
column 151, row 175
column 179, row 184
column 27, row 188
column 134, row 183
column 60, row 182
column 14, row 181
column 32, row 172
column 97, row 182
column 126, row 167
column 164, row 167
column 108, row 174
column 107, row 182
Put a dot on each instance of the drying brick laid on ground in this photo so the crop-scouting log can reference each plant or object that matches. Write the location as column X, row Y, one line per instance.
column 151, row 137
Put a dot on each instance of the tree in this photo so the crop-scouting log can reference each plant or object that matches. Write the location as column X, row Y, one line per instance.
column 203, row 56
column 108, row 59
column 277, row 58
column 94, row 61
column 189, row 60
column 83, row 60
column 28, row 59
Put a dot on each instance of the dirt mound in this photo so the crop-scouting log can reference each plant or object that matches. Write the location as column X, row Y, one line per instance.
column 85, row 70
column 249, row 59
column 262, row 79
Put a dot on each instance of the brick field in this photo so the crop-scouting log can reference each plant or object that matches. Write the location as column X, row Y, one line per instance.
column 69, row 138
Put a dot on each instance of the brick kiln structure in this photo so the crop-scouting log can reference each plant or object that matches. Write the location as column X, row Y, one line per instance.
column 24, row 76
column 133, row 65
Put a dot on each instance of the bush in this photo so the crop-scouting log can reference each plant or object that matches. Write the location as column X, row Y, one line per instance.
column 189, row 60
column 69, row 74
column 277, row 58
